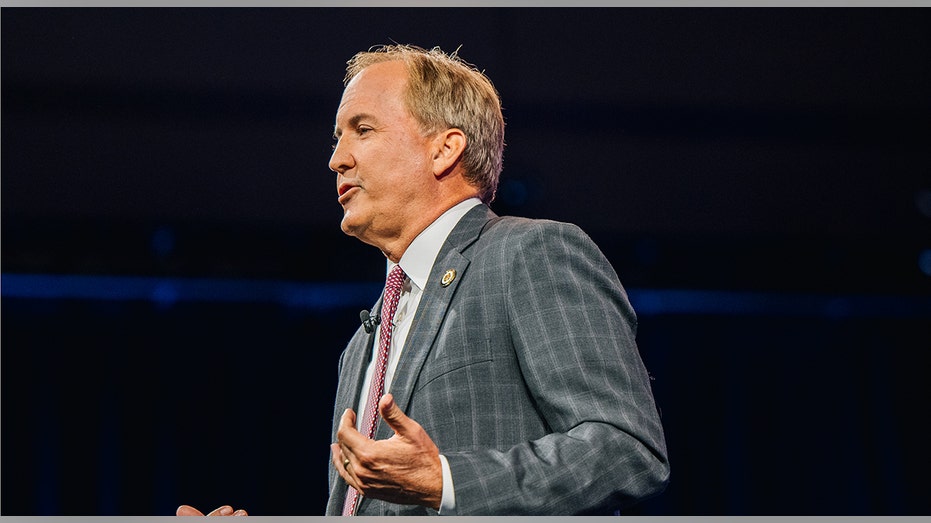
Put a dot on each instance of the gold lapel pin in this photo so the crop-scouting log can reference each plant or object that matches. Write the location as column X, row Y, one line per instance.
column 448, row 277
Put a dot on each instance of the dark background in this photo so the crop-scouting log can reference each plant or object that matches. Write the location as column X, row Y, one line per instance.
column 176, row 290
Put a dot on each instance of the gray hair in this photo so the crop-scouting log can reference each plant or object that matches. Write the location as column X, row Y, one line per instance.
column 447, row 92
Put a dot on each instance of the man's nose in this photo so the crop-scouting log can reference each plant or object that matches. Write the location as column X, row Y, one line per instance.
column 340, row 161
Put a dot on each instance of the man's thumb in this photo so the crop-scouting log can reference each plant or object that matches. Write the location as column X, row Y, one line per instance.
column 391, row 413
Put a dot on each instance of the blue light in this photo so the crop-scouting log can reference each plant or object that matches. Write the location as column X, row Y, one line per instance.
column 322, row 296
column 163, row 242
column 924, row 262
column 168, row 291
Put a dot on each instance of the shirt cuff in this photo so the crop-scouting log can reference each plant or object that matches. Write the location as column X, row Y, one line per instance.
column 448, row 500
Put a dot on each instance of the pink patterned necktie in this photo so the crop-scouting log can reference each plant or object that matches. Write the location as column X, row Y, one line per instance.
column 377, row 387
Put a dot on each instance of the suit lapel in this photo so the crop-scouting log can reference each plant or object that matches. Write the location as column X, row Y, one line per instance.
column 433, row 307
column 351, row 375
column 352, row 372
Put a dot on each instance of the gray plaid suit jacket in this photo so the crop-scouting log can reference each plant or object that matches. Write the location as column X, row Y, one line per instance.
column 526, row 373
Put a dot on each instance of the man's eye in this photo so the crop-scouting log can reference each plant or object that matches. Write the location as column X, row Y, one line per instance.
column 363, row 130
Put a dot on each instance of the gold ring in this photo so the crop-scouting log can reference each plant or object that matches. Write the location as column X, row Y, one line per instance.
column 345, row 463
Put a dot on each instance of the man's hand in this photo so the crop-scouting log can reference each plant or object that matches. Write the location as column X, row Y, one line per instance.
column 404, row 468
column 225, row 510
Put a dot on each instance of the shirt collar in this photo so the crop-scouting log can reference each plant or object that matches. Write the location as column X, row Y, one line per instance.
column 419, row 257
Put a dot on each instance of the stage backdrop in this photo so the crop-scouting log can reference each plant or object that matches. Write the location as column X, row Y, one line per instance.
column 176, row 290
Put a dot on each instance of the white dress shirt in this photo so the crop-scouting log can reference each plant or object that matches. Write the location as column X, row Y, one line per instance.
column 417, row 262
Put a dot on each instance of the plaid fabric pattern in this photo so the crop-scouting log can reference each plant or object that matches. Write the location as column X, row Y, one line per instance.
column 526, row 374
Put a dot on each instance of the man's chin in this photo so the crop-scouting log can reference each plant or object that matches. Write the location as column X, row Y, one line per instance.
column 347, row 228
column 350, row 227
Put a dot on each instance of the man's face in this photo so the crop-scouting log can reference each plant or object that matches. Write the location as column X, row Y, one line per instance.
column 381, row 158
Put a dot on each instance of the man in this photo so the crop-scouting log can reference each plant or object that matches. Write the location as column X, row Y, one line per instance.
column 518, row 387
column 512, row 382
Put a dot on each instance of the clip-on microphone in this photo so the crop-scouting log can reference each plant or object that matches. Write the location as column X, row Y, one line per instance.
column 368, row 322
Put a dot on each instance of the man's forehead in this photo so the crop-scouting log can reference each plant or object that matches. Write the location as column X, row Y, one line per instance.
column 353, row 109
column 377, row 78
column 376, row 88
column 394, row 69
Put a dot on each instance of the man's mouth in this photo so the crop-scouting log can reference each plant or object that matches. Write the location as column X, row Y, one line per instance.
column 345, row 191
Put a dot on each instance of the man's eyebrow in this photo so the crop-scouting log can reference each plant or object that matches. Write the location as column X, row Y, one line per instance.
column 353, row 122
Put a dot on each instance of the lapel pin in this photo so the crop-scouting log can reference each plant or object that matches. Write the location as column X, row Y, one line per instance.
column 448, row 277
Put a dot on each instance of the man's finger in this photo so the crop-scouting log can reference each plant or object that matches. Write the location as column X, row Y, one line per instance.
column 346, row 434
column 345, row 471
column 338, row 458
column 187, row 510
column 348, row 418
column 347, row 424
column 225, row 510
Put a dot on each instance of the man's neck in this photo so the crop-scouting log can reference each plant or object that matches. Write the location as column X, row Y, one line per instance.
column 395, row 250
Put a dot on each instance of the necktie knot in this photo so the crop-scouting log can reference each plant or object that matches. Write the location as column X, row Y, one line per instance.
column 392, row 293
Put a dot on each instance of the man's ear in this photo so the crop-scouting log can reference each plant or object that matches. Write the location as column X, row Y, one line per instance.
column 448, row 148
